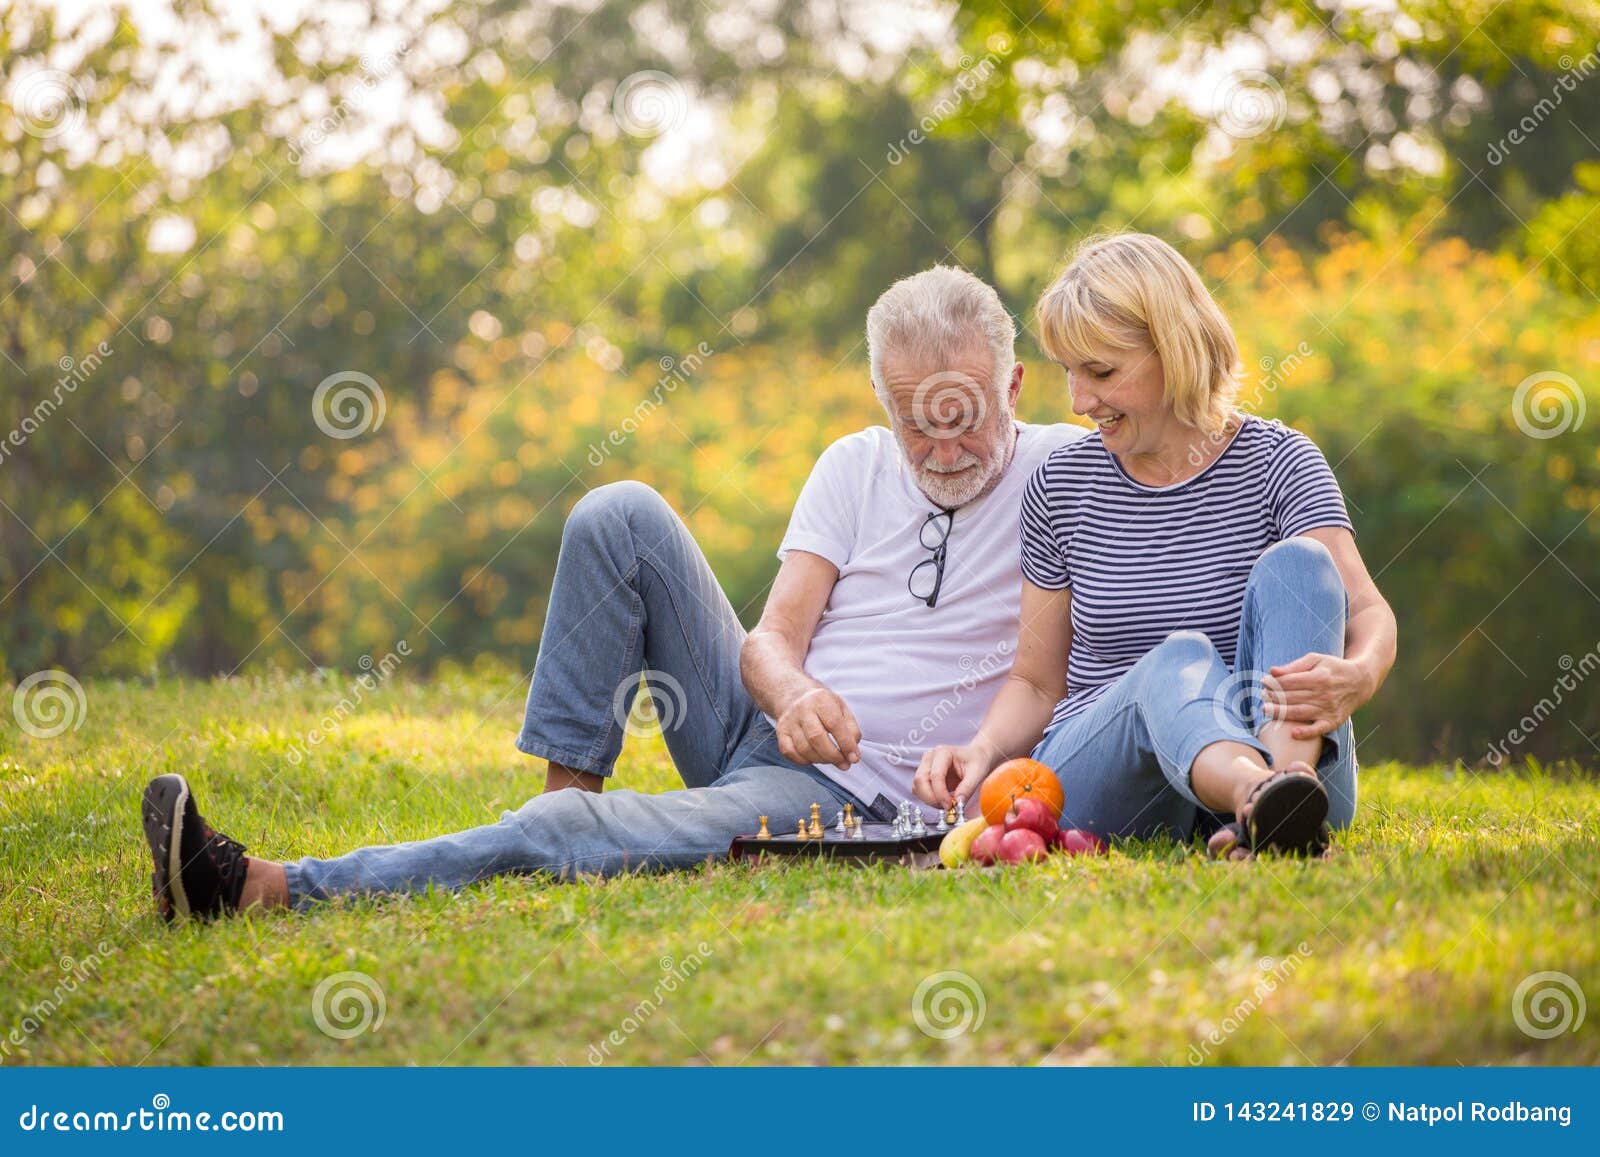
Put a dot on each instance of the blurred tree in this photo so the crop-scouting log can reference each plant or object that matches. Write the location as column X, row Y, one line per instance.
column 312, row 328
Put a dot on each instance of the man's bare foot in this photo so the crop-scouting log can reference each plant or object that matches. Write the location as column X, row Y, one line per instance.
column 560, row 777
column 265, row 885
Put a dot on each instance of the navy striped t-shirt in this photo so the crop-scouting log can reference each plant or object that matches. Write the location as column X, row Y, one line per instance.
column 1144, row 561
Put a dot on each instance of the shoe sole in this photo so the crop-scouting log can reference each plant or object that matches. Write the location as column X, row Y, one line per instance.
column 164, row 800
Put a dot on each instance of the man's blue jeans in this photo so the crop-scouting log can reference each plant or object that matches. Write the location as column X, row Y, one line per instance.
column 1124, row 761
column 632, row 592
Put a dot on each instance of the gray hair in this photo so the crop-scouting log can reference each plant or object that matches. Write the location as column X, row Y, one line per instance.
column 939, row 314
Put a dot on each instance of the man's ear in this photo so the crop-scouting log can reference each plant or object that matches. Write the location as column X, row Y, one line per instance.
column 1015, row 386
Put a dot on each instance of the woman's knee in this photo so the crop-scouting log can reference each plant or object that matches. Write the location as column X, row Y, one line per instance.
column 1298, row 564
column 1178, row 650
column 1174, row 672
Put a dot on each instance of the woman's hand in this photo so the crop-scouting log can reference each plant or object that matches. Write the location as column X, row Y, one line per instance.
column 1316, row 692
column 948, row 772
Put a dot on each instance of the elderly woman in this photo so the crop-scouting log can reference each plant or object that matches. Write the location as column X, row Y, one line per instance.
column 1197, row 624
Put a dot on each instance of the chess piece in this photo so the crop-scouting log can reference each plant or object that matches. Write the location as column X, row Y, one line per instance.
column 814, row 829
column 843, row 826
column 950, row 818
column 919, row 826
column 763, row 834
column 802, row 834
column 858, row 834
column 944, row 823
column 961, row 811
column 850, row 817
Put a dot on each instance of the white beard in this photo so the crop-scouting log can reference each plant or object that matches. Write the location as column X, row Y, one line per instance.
column 953, row 490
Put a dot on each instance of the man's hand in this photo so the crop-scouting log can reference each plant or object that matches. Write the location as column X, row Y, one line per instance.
column 819, row 728
column 948, row 772
column 1316, row 692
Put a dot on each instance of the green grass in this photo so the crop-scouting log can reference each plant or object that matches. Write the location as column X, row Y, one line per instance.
column 1452, row 888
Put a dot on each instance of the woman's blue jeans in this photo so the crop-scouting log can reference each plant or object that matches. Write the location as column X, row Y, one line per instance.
column 1124, row 761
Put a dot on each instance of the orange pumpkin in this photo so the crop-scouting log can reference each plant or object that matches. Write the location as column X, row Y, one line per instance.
column 1016, row 779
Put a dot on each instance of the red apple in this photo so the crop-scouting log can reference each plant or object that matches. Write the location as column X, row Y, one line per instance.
column 1020, row 845
column 1077, row 842
column 986, row 848
column 1032, row 815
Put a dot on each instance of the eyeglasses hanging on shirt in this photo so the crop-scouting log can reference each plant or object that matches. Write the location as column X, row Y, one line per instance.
column 927, row 577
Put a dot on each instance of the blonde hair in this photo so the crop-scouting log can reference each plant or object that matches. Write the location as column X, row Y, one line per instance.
column 1127, row 289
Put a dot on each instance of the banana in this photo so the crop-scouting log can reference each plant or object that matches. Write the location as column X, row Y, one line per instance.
column 956, row 847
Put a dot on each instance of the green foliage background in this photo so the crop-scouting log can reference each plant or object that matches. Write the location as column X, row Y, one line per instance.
column 517, row 271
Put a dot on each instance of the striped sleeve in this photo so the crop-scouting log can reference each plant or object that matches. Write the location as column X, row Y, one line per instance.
column 1302, row 493
column 1044, row 564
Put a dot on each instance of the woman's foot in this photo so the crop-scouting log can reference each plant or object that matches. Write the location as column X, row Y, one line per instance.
column 1285, row 811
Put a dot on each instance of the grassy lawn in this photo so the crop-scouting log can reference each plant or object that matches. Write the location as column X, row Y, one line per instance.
column 1451, row 890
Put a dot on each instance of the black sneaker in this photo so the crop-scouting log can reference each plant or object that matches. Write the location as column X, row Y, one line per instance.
column 198, row 872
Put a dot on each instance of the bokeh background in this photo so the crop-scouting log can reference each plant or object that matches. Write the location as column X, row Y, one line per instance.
column 318, row 318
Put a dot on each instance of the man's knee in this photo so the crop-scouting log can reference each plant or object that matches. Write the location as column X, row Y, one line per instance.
column 616, row 508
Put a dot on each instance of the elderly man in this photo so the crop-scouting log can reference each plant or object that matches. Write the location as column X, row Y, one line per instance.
column 889, row 628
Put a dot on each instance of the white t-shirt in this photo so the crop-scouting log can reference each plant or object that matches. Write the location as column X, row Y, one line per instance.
column 914, row 676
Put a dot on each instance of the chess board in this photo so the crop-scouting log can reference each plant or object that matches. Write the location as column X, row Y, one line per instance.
column 878, row 842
